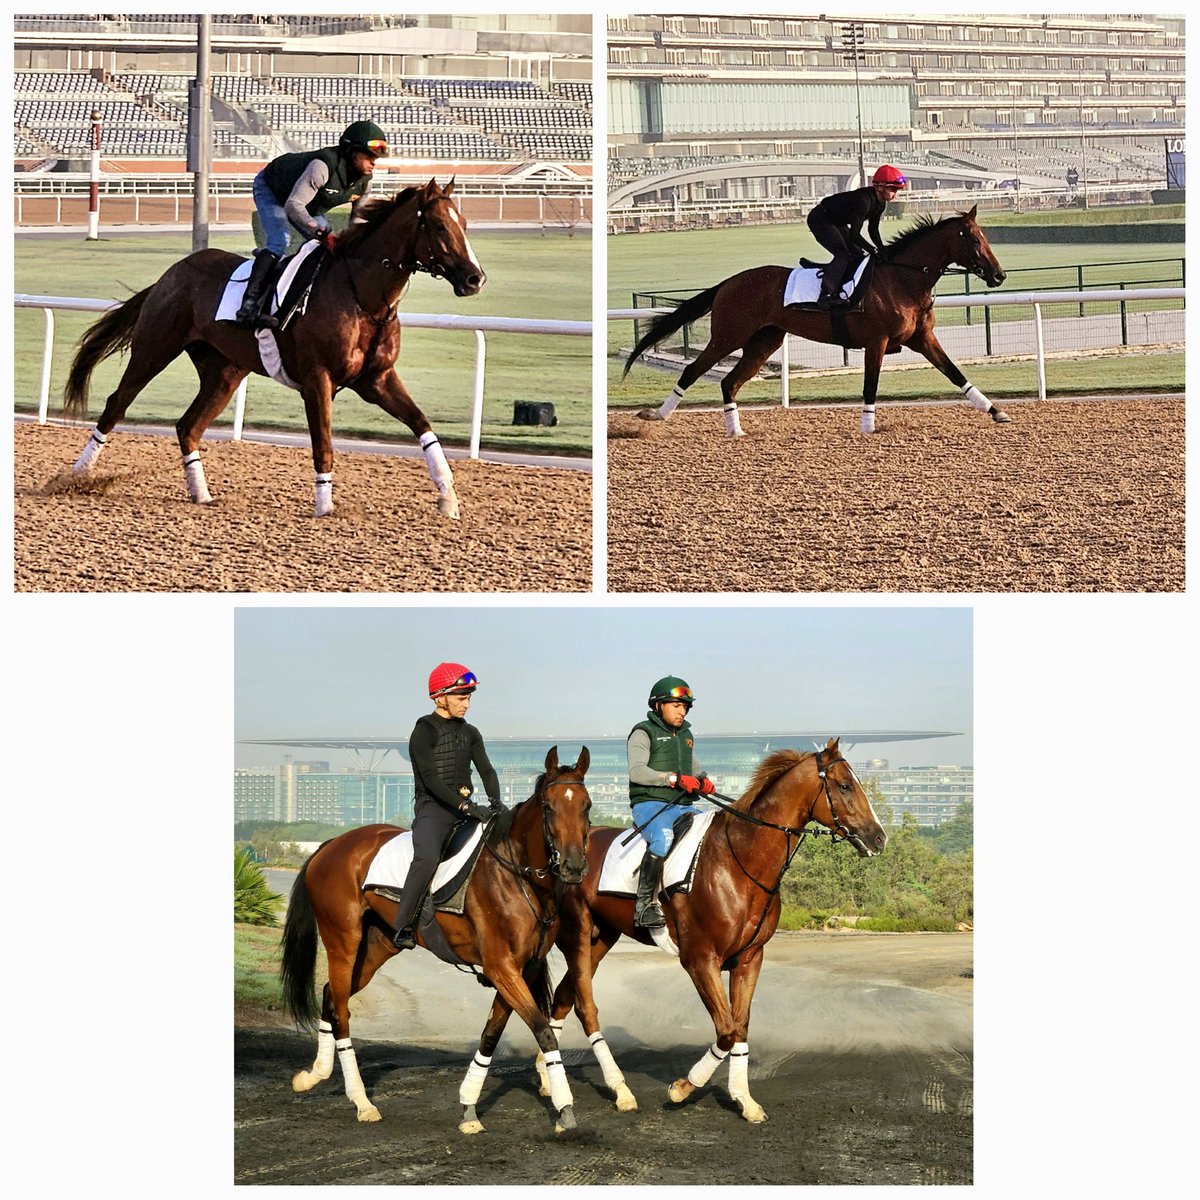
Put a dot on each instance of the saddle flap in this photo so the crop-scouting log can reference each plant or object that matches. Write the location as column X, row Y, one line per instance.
column 803, row 285
column 618, row 873
column 389, row 867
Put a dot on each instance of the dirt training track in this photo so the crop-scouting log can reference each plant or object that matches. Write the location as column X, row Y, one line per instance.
column 860, row 1053
column 131, row 528
column 1084, row 496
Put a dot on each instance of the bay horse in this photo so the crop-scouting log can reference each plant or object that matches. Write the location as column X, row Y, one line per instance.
column 728, row 916
column 748, row 314
column 348, row 337
column 532, row 858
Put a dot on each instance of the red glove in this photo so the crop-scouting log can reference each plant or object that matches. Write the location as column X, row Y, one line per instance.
column 707, row 787
column 688, row 783
column 328, row 239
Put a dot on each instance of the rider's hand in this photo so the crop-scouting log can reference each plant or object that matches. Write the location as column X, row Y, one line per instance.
column 327, row 238
column 707, row 787
column 688, row 783
column 480, row 812
column 497, row 805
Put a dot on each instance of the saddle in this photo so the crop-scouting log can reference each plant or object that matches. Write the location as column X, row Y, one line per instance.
column 291, row 284
column 803, row 286
column 618, row 873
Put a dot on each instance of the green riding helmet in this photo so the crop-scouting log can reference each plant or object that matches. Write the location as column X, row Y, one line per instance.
column 364, row 135
column 671, row 687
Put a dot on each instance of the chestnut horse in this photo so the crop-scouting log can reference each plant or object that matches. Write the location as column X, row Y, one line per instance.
column 748, row 314
column 532, row 859
column 348, row 336
column 728, row 916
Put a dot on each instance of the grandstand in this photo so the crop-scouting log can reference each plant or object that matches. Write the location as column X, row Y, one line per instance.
column 765, row 111
column 492, row 99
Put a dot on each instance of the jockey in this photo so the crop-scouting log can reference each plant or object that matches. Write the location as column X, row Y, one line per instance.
column 837, row 221
column 663, row 773
column 442, row 749
column 300, row 189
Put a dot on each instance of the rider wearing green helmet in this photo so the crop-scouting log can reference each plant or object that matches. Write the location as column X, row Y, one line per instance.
column 663, row 774
column 298, row 190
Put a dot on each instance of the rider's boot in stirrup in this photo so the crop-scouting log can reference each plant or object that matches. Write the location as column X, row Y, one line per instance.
column 648, row 912
column 254, row 301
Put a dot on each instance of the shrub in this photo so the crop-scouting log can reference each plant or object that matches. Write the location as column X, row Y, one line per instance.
column 253, row 901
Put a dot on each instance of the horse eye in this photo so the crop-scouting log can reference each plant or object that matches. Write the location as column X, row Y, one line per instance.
column 845, row 786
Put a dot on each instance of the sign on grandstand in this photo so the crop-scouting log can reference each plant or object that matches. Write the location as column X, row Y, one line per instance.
column 1176, row 171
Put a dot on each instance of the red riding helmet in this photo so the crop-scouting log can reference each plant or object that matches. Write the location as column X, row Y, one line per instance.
column 890, row 174
column 451, row 677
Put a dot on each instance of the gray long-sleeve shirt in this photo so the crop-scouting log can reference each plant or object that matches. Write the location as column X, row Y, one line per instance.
column 638, row 751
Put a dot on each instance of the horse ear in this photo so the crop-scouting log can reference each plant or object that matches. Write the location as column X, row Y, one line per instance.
column 583, row 761
column 832, row 745
column 552, row 761
column 450, row 186
column 971, row 214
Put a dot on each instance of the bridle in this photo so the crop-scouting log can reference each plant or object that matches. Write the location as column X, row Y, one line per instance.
column 416, row 265
column 935, row 273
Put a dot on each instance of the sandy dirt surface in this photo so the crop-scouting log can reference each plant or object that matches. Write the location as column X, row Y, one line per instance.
column 131, row 527
column 1086, row 496
column 861, row 1052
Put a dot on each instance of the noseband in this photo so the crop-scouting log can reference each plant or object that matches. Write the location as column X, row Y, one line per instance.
column 433, row 269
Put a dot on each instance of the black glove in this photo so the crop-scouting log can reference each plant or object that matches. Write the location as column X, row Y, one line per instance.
column 497, row 805
column 481, row 812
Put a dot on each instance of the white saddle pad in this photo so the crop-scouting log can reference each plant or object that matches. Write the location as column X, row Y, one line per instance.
column 618, row 874
column 804, row 284
column 389, row 868
column 235, row 288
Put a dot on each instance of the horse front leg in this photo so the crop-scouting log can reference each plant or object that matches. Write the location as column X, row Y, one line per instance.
column 706, row 975
column 386, row 390
column 472, row 1084
column 318, row 408
column 742, row 980
column 925, row 342
column 872, row 364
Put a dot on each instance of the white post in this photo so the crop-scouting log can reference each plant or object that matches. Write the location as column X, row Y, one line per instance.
column 239, row 410
column 477, row 406
column 93, row 233
column 785, row 372
column 1041, row 351
column 47, row 355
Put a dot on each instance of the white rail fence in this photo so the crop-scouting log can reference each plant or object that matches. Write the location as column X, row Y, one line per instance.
column 477, row 325
column 1099, row 334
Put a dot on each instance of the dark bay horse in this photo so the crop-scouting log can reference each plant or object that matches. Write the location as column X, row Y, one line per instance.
column 532, row 859
column 348, row 337
column 748, row 314
column 729, row 915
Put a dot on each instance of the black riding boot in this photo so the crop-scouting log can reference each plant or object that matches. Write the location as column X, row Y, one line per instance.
column 648, row 912
column 256, row 295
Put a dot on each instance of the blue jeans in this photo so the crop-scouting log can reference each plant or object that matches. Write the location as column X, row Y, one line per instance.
column 658, row 833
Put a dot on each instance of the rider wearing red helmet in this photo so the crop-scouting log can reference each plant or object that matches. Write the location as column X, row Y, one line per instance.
column 837, row 221
column 442, row 750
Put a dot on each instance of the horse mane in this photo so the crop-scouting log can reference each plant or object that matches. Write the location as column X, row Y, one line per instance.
column 924, row 223
column 370, row 214
column 768, row 772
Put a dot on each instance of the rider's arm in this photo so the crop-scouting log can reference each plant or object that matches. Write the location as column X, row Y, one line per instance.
column 484, row 769
column 315, row 177
column 424, row 765
column 638, row 751
column 873, row 229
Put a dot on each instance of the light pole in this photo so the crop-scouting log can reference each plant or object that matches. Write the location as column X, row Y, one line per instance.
column 1082, row 137
column 853, row 37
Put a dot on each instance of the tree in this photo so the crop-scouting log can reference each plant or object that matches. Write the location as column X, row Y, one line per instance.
column 253, row 901
column 956, row 834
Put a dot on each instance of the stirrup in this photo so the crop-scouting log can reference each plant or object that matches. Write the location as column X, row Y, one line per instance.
column 403, row 939
column 650, row 916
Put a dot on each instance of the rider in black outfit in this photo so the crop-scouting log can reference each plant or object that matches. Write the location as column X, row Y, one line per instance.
column 837, row 224
column 442, row 749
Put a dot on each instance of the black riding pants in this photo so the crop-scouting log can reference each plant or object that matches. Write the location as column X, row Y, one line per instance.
column 845, row 253
column 430, row 828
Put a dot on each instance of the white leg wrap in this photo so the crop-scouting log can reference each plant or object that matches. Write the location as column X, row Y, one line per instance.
column 324, row 493
column 739, row 1074
column 323, row 1066
column 702, row 1072
column 560, row 1089
column 671, row 402
column 733, row 422
column 867, row 423
column 197, row 485
column 435, row 460
column 89, row 453
column 608, row 1065
column 476, row 1074
column 976, row 397
column 354, row 1083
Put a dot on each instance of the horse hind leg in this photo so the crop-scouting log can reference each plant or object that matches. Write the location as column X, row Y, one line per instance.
column 219, row 379
column 322, row 1068
column 703, row 362
column 755, row 353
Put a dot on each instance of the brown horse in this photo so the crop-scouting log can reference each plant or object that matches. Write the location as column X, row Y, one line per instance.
column 748, row 314
column 348, row 337
column 532, row 858
column 728, row 916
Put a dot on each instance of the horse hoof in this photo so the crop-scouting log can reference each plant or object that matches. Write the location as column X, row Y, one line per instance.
column 305, row 1081
column 867, row 424
column 370, row 1113
column 651, row 414
column 737, row 433
column 469, row 1127
column 1000, row 416
column 679, row 1091
column 448, row 505
column 751, row 1110
column 626, row 1101
column 566, row 1120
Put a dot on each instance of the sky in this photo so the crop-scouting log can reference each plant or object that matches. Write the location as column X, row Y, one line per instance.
column 578, row 672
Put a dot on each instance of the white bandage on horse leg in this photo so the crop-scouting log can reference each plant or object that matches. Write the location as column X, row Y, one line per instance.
column 323, row 1065
column 560, row 1089
column 197, row 485
column 608, row 1065
column 476, row 1074
column 324, row 493
column 702, row 1072
column 739, row 1074
column 867, row 423
column 976, row 397
column 349, row 1063
column 733, row 423
column 89, row 453
column 435, row 460
column 671, row 402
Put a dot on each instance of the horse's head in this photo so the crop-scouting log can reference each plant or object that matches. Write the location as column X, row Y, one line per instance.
column 441, row 245
column 973, row 253
column 843, row 806
column 565, row 807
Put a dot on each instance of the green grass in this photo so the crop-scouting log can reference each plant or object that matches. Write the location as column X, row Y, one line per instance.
column 529, row 275
column 256, row 966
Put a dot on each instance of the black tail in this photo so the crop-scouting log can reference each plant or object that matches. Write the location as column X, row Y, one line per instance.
column 112, row 333
column 300, row 955
column 660, row 327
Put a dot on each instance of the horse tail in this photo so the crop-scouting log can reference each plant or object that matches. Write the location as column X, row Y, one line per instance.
column 109, row 335
column 668, row 323
column 300, row 954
